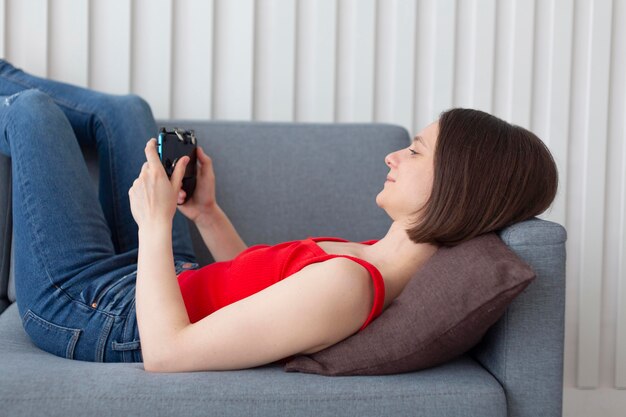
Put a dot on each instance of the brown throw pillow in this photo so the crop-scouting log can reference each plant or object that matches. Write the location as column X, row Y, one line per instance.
column 443, row 311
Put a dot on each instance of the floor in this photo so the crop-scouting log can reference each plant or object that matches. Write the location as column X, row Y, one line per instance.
column 601, row 402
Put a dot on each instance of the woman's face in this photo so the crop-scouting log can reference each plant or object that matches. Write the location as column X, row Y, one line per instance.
column 410, row 179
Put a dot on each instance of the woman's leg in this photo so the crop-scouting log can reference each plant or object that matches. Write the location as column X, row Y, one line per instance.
column 119, row 127
column 61, row 238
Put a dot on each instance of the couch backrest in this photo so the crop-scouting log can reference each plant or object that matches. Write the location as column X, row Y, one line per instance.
column 286, row 181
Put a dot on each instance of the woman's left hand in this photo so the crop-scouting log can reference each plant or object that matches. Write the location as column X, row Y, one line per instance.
column 153, row 196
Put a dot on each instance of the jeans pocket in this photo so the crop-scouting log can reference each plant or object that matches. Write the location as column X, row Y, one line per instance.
column 95, row 293
column 131, row 351
column 126, row 346
column 55, row 339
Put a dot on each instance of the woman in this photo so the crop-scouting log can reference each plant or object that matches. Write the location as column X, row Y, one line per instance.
column 114, row 279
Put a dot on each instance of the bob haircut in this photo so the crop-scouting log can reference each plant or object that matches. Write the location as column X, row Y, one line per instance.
column 488, row 174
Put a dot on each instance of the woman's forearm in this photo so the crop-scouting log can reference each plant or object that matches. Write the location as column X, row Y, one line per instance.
column 161, row 312
column 219, row 234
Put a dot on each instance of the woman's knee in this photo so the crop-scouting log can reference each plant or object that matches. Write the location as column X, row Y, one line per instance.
column 32, row 107
column 129, row 105
column 31, row 98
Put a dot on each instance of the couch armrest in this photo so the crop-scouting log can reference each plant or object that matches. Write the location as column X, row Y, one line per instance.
column 524, row 349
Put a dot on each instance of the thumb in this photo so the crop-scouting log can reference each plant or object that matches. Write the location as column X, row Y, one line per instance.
column 179, row 172
column 202, row 155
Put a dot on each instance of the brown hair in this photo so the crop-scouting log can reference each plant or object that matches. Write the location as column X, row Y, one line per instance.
column 488, row 174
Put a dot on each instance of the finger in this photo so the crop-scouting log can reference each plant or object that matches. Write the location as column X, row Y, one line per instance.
column 203, row 156
column 179, row 172
column 152, row 156
column 181, row 196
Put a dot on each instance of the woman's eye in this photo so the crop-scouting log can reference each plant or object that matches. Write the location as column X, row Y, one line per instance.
column 413, row 152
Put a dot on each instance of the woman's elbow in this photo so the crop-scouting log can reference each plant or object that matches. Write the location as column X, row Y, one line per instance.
column 159, row 361
column 151, row 364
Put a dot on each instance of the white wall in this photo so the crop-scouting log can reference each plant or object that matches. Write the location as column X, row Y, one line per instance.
column 557, row 67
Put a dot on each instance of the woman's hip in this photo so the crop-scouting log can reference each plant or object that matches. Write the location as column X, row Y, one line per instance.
column 99, row 326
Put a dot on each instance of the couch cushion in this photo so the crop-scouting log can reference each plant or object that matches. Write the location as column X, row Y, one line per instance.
column 33, row 380
column 443, row 311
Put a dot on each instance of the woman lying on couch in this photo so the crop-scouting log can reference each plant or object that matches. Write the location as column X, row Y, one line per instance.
column 94, row 275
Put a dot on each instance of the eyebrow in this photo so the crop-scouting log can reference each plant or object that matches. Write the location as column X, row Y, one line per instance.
column 420, row 139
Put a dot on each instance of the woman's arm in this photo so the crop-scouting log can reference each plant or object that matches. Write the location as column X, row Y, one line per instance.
column 161, row 313
column 219, row 234
column 318, row 306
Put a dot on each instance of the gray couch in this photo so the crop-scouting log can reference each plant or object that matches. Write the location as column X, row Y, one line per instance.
column 283, row 181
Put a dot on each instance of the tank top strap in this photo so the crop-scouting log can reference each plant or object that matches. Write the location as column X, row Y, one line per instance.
column 377, row 278
column 323, row 238
column 338, row 239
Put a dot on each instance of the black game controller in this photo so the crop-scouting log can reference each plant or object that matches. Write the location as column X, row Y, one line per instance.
column 173, row 145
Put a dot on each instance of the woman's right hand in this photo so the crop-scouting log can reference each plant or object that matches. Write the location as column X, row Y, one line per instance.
column 203, row 199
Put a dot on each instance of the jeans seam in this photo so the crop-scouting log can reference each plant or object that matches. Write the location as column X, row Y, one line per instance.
column 104, row 335
column 114, row 189
column 125, row 328
column 125, row 354
column 26, row 209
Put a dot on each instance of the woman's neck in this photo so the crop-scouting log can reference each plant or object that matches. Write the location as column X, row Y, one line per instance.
column 397, row 257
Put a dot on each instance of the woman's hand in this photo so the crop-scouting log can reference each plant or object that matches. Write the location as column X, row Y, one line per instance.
column 153, row 194
column 203, row 199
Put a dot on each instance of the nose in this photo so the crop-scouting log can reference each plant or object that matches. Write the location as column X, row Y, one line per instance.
column 392, row 159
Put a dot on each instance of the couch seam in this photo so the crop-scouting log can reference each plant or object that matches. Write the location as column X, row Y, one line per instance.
column 297, row 398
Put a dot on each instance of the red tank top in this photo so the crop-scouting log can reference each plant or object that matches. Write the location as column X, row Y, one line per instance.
column 219, row 284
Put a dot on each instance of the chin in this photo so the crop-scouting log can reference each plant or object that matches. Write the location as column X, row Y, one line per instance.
column 380, row 201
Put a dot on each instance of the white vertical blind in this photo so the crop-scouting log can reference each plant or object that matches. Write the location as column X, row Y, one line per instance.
column 551, row 86
column 514, row 60
column 151, row 56
column 68, row 38
column 557, row 67
column 26, row 29
column 396, row 63
column 233, row 59
column 434, row 62
column 110, row 45
column 3, row 28
column 275, row 67
column 315, row 60
column 355, row 67
column 192, row 59
column 589, row 134
column 474, row 62
column 615, row 262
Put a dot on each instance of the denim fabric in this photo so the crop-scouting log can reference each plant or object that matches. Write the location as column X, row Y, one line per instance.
column 75, row 251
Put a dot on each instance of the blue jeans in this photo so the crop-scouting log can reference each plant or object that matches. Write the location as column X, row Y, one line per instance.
column 75, row 250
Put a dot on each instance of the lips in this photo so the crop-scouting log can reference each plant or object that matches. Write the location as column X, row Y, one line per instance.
column 390, row 179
